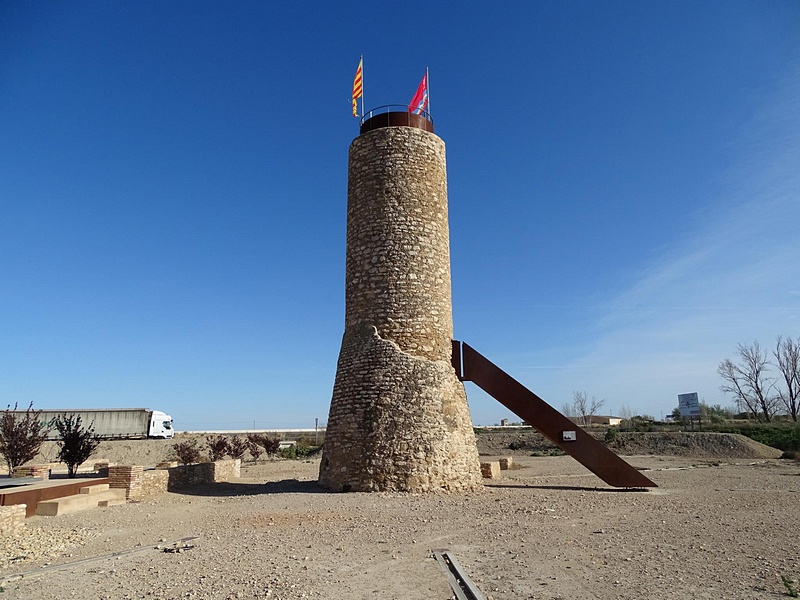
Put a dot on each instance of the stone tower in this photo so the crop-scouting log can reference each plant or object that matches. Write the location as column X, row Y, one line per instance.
column 399, row 419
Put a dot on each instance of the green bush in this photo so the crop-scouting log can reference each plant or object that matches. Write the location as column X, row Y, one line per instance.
column 782, row 437
column 298, row 451
column 289, row 452
column 611, row 436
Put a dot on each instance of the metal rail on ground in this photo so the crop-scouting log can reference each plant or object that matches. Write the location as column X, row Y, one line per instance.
column 463, row 587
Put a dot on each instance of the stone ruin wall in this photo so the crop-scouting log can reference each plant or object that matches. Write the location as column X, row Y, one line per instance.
column 138, row 482
column 12, row 518
column 399, row 419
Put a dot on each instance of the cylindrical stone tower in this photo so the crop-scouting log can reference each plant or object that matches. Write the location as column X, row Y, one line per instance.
column 399, row 419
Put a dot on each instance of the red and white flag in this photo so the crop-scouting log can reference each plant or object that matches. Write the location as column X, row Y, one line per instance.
column 419, row 103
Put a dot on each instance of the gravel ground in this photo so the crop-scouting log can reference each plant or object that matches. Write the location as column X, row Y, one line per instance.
column 548, row 529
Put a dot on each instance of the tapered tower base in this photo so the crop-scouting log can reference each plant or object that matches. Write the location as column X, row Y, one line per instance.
column 397, row 422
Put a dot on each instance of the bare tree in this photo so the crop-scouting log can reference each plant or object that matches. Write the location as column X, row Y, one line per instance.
column 787, row 356
column 584, row 408
column 568, row 410
column 625, row 412
column 749, row 383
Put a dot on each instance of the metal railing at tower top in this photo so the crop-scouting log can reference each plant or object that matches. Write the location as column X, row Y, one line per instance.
column 395, row 115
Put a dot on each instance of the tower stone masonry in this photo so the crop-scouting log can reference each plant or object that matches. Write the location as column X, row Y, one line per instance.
column 399, row 419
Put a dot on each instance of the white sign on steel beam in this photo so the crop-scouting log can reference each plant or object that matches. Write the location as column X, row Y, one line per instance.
column 689, row 405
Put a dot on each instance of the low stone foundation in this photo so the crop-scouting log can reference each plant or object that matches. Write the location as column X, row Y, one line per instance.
column 38, row 471
column 155, row 482
column 137, row 482
column 127, row 477
column 101, row 467
column 12, row 518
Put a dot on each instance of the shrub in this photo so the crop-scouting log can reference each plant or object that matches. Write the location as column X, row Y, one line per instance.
column 784, row 437
column 270, row 444
column 237, row 447
column 77, row 443
column 187, row 452
column 297, row 451
column 306, row 440
column 611, row 437
column 303, row 450
column 254, row 445
column 289, row 452
column 549, row 452
column 218, row 446
column 21, row 437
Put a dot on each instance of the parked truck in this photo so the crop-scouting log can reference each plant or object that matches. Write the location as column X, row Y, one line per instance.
column 111, row 423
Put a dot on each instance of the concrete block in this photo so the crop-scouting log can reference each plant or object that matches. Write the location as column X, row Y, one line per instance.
column 114, row 501
column 94, row 489
column 67, row 504
column 490, row 470
column 82, row 501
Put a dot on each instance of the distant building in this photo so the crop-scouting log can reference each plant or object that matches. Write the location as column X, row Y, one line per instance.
column 599, row 420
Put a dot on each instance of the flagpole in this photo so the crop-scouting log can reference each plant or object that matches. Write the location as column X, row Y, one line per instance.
column 428, row 83
column 362, row 86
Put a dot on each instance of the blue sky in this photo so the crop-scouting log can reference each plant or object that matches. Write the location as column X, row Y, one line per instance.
column 623, row 185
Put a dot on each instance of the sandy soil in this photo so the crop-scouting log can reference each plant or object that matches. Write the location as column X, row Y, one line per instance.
column 547, row 530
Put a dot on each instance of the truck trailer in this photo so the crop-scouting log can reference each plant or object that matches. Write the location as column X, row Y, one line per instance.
column 112, row 423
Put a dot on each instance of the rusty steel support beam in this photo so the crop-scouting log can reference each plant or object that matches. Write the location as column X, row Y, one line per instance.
column 472, row 366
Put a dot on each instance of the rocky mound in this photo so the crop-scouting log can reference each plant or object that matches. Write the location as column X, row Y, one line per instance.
column 695, row 444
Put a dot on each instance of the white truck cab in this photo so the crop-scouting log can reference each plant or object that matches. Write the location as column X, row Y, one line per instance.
column 160, row 425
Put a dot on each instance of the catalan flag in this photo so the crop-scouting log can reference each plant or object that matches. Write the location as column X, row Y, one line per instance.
column 358, row 90
column 420, row 100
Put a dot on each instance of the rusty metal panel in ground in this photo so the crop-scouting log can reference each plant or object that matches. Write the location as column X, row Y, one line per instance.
column 472, row 366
